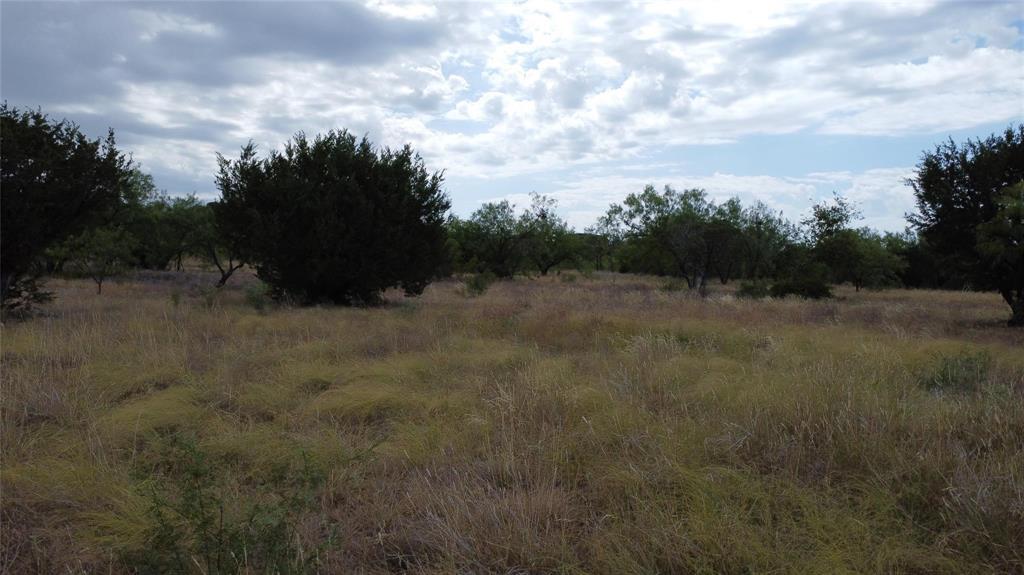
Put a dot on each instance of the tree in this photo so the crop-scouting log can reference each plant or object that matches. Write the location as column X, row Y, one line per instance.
column 54, row 183
column 548, row 239
column 100, row 253
column 683, row 228
column 764, row 235
column 966, row 212
column 333, row 218
column 208, row 243
column 492, row 240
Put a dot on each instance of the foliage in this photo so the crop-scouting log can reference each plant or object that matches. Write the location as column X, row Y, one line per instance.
column 492, row 240
column 55, row 183
column 100, row 253
column 966, row 212
column 811, row 283
column 194, row 528
column 333, row 219
column 477, row 284
column 548, row 239
column 753, row 289
column 257, row 295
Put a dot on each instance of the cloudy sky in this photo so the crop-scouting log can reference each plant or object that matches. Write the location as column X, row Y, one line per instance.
column 587, row 102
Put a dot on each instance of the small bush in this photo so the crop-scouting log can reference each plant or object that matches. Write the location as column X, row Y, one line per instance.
column 258, row 296
column 477, row 284
column 806, row 287
column 756, row 289
column 567, row 278
column 194, row 524
column 961, row 373
column 176, row 298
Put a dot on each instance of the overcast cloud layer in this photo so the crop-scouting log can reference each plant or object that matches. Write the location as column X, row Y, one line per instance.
column 781, row 102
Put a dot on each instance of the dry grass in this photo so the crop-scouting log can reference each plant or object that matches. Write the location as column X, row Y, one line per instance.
column 596, row 426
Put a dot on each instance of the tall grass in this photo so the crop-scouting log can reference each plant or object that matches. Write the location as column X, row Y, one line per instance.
column 598, row 426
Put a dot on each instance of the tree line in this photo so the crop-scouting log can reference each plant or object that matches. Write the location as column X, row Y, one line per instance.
column 333, row 218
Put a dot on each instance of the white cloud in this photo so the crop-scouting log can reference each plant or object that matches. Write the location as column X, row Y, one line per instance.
column 492, row 91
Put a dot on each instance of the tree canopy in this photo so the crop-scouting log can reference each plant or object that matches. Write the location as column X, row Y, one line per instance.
column 54, row 182
column 968, row 199
column 333, row 219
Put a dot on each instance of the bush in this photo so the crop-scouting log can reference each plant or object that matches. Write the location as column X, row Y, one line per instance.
column 477, row 284
column 333, row 219
column 808, row 287
column 257, row 296
column 196, row 525
column 756, row 289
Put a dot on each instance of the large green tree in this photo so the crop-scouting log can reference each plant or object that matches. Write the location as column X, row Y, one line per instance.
column 334, row 219
column 967, row 212
column 54, row 182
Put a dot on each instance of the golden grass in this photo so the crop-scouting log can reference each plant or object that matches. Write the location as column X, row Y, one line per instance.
column 598, row 426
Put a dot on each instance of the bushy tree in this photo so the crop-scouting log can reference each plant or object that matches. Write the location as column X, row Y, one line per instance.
column 493, row 240
column 100, row 253
column 207, row 243
column 966, row 212
column 681, row 233
column 548, row 239
column 54, row 183
column 333, row 218
column 764, row 235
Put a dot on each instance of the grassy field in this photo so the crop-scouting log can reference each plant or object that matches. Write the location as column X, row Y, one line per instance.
column 556, row 425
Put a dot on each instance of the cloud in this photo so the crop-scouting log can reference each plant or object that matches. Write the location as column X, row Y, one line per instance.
column 510, row 92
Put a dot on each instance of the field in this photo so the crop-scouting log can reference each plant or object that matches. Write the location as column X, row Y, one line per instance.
column 566, row 424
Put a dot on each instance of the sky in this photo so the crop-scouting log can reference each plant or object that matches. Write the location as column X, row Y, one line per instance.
column 780, row 102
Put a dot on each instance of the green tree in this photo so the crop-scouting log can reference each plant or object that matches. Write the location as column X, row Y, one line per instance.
column 54, row 183
column 966, row 214
column 100, row 253
column 764, row 235
column 333, row 218
column 1001, row 243
column 548, row 239
column 492, row 240
column 683, row 229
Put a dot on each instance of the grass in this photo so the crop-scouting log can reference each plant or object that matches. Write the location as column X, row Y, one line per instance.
column 600, row 425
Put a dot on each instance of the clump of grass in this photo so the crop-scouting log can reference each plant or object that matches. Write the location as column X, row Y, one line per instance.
column 964, row 372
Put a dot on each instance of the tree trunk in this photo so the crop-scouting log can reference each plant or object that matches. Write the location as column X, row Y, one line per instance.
column 99, row 286
column 1016, row 302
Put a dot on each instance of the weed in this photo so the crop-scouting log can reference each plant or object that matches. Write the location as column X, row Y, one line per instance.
column 196, row 528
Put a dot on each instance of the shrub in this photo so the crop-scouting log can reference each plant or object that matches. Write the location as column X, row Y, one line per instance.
column 755, row 289
column 477, row 284
column 194, row 524
column 808, row 288
column 257, row 296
